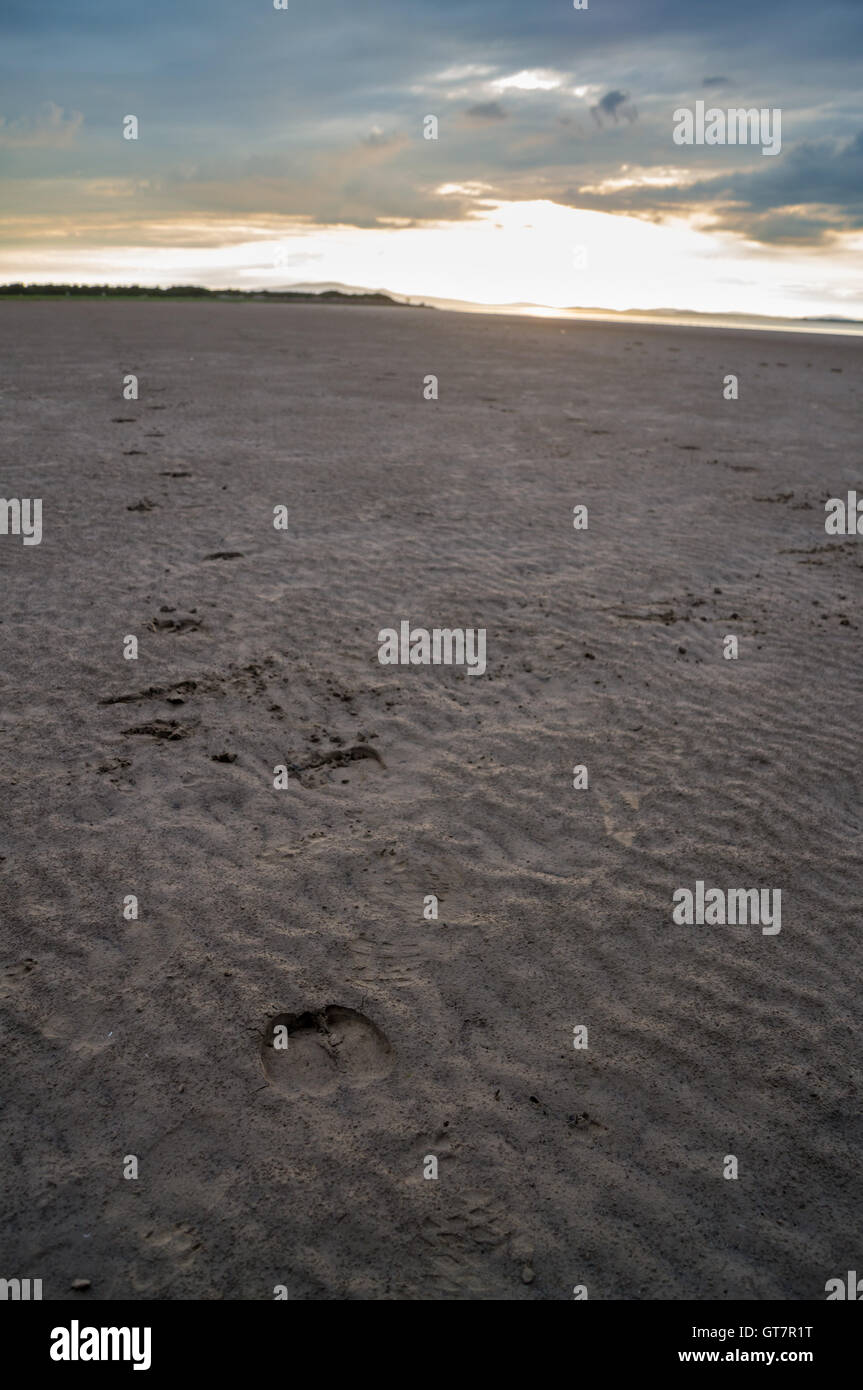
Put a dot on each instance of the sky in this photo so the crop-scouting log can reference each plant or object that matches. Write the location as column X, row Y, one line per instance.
column 288, row 146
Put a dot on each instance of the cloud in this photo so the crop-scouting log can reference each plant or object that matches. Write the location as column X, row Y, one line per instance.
column 460, row 72
column 251, row 115
column 377, row 139
column 613, row 105
column 541, row 81
column 49, row 129
column 486, row 111
column 807, row 197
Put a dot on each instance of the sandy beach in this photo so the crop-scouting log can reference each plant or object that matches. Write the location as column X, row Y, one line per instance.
column 152, row 1037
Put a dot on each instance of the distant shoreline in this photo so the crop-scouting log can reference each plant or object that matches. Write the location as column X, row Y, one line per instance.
column 22, row 291
column 674, row 318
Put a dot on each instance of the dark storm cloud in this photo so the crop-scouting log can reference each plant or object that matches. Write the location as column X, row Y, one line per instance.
column 613, row 105
column 486, row 111
column 318, row 110
column 815, row 193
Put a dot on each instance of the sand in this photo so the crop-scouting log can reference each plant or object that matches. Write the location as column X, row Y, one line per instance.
column 411, row 1037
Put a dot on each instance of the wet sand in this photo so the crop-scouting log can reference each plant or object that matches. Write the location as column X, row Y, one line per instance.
column 411, row 1037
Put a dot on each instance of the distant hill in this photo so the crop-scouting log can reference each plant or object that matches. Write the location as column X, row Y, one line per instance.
column 334, row 292
column 301, row 296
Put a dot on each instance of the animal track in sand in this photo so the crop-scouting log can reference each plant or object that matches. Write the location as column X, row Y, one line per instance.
column 170, row 729
column 185, row 623
column 11, row 974
column 179, row 1243
column 241, row 678
column 342, row 756
column 623, row 837
column 336, row 757
column 174, row 694
column 313, row 1053
column 462, row 1242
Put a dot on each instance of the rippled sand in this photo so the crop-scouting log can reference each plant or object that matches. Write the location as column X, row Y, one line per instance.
column 410, row 1037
